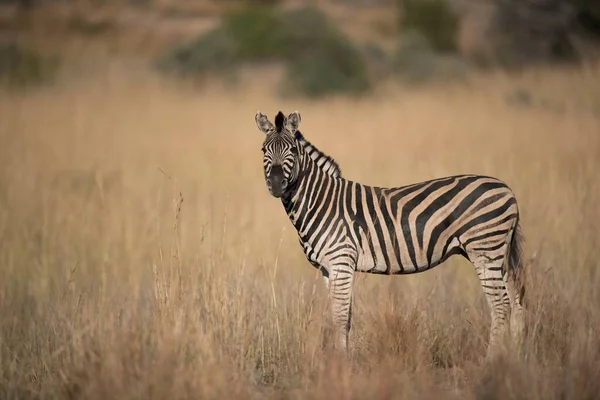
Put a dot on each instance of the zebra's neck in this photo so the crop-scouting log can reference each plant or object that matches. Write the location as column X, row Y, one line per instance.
column 316, row 172
column 322, row 160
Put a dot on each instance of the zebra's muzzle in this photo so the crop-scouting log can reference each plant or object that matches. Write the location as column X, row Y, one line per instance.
column 276, row 182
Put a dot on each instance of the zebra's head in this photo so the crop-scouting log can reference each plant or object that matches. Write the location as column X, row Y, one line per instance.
column 280, row 151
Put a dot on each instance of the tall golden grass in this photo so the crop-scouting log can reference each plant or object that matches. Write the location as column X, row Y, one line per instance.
column 141, row 255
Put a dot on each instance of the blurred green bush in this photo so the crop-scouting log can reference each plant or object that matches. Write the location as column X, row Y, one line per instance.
column 434, row 19
column 213, row 52
column 319, row 58
column 22, row 67
column 254, row 30
column 416, row 61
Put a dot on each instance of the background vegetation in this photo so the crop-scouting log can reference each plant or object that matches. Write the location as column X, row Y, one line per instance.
column 141, row 255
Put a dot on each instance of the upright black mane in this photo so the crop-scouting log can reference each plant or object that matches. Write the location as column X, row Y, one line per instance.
column 325, row 162
column 279, row 119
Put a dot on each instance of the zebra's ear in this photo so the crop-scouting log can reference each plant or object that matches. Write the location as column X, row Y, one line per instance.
column 263, row 122
column 293, row 121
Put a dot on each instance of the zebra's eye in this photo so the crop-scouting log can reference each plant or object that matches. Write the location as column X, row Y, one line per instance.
column 294, row 148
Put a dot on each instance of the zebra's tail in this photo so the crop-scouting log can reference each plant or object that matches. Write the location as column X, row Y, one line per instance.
column 516, row 274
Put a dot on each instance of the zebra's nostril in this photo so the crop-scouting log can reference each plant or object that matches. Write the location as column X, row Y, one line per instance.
column 284, row 182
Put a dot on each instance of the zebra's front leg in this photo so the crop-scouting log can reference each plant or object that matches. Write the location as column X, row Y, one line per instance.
column 325, row 274
column 340, row 297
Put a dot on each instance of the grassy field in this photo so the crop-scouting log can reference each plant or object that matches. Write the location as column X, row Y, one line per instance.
column 141, row 256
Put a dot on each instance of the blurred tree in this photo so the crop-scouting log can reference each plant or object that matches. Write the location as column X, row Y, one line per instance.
column 24, row 4
column 434, row 19
column 588, row 16
column 532, row 31
column 22, row 66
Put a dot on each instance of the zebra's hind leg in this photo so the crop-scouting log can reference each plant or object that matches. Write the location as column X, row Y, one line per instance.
column 516, row 290
column 517, row 323
column 493, row 282
column 517, row 315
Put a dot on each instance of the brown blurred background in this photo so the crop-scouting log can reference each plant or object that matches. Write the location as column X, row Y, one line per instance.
column 141, row 255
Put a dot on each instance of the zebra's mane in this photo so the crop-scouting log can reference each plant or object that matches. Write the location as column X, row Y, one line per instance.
column 325, row 162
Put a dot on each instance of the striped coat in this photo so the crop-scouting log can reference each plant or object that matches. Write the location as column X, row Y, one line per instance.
column 346, row 227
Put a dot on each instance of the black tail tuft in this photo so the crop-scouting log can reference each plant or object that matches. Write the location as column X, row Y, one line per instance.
column 515, row 262
column 279, row 120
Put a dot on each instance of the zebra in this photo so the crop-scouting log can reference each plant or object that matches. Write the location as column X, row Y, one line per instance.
column 346, row 227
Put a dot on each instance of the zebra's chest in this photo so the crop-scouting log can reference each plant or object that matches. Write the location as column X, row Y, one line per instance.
column 309, row 252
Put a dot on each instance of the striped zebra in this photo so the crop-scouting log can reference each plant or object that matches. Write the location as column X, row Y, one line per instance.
column 345, row 227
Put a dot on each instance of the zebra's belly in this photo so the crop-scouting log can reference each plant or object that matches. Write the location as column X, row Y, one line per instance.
column 379, row 264
column 394, row 260
column 376, row 259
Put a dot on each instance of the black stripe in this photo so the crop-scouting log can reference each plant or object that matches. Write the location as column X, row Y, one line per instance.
column 338, row 247
column 487, row 216
column 499, row 222
column 486, row 235
column 376, row 222
column 492, row 248
column 494, row 279
column 325, row 201
column 389, row 223
column 410, row 205
column 492, row 287
column 462, row 207
column 316, row 182
column 311, row 191
column 396, row 244
column 399, row 193
column 361, row 222
column 444, row 200
column 480, row 220
column 492, row 199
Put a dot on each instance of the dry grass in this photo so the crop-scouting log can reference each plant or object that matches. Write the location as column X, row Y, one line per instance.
column 114, row 286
